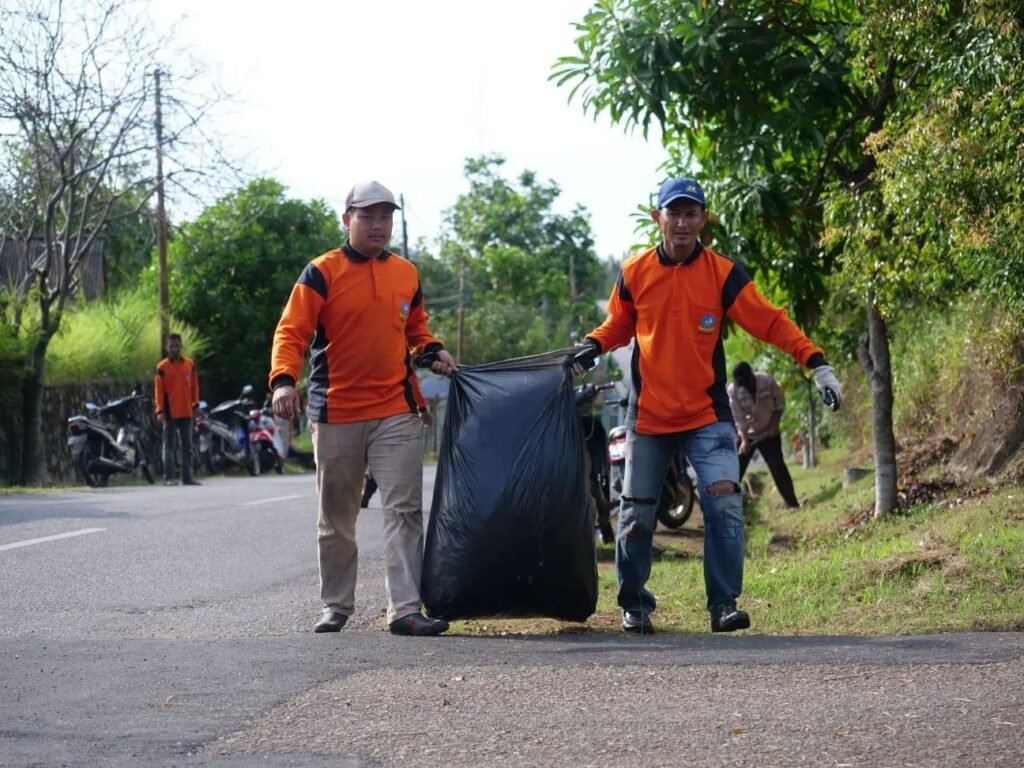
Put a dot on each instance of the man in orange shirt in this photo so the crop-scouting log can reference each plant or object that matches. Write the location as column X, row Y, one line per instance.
column 176, row 397
column 363, row 308
column 673, row 300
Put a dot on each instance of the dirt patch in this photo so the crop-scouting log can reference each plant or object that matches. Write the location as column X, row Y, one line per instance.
column 943, row 492
column 924, row 453
column 781, row 543
column 910, row 563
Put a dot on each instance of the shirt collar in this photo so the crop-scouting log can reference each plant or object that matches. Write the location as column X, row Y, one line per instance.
column 666, row 261
column 356, row 256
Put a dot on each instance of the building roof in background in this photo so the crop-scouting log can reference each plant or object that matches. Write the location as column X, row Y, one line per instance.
column 15, row 259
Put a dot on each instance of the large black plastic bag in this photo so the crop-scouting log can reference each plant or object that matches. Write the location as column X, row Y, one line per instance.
column 511, row 531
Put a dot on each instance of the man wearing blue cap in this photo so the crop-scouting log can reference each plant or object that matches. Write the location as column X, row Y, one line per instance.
column 673, row 300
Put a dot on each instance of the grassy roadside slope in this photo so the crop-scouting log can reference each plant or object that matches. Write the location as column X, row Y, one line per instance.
column 953, row 561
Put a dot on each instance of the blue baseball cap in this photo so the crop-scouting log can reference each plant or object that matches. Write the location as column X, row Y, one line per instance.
column 674, row 189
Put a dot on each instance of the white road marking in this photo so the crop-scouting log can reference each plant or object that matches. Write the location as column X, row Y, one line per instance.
column 42, row 502
column 43, row 539
column 270, row 501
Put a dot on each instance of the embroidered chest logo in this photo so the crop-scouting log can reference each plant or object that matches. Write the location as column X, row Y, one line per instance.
column 707, row 323
column 404, row 309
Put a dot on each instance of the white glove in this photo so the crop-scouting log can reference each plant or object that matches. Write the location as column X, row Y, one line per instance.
column 828, row 385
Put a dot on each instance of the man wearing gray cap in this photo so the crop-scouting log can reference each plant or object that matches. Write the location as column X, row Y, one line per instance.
column 363, row 307
column 673, row 299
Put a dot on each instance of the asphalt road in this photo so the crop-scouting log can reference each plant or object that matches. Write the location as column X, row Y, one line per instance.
column 170, row 626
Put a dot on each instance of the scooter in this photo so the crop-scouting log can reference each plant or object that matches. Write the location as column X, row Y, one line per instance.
column 201, row 439
column 266, row 448
column 595, row 438
column 227, row 427
column 675, row 504
column 108, row 440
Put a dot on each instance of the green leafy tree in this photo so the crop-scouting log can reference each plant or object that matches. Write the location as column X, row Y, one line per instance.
column 945, row 209
column 527, row 278
column 231, row 271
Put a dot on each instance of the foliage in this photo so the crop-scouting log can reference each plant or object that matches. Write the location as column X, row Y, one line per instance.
column 129, row 241
column 113, row 340
column 231, row 270
column 757, row 94
column 948, row 211
column 528, row 276
column 950, row 364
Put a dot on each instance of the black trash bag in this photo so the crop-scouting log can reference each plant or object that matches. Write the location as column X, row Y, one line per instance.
column 511, row 531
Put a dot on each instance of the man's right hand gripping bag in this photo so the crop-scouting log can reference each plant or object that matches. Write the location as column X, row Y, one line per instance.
column 510, row 529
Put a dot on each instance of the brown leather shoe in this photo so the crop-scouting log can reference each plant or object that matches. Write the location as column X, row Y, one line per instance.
column 418, row 625
column 331, row 621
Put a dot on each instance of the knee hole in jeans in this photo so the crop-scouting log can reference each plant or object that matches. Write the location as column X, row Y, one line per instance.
column 723, row 488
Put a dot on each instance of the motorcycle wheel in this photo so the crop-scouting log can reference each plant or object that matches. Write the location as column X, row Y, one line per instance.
column 602, row 512
column 85, row 458
column 215, row 459
column 267, row 459
column 147, row 472
column 279, row 465
column 252, row 464
column 676, row 503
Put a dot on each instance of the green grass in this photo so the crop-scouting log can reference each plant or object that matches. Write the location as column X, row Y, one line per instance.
column 113, row 340
column 952, row 564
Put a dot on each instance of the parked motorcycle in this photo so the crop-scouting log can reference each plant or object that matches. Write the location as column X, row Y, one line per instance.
column 201, row 439
column 266, row 448
column 108, row 440
column 595, row 438
column 224, row 430
column 675, row 504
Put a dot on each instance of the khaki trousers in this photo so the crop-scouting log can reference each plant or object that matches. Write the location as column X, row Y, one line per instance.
column 391, row 447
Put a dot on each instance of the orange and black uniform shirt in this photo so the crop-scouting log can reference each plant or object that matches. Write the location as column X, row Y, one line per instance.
column 176, row 388
column 367, row 321
column 675, row 312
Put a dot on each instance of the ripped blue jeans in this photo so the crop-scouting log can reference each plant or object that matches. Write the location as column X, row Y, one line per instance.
column 711, row 450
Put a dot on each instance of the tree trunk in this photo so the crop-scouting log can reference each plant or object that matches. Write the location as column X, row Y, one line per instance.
column 875, row 360
column 32, row 464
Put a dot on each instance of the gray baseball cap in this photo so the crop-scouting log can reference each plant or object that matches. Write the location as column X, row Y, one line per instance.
column 367, row 193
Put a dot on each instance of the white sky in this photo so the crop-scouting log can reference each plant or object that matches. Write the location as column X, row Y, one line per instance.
column 329, row 93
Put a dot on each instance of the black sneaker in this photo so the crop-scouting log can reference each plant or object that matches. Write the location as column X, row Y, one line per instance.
column 637, row 621
column 728, row 618
column 418, row 625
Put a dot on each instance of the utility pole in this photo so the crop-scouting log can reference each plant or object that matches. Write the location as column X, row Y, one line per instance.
column 161, row 220
column 462, row 308
column 405, row 231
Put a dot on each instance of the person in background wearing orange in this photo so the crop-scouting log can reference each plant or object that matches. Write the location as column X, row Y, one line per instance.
column 176, row 398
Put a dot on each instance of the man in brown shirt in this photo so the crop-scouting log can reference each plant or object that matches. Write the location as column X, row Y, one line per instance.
column 757, row 404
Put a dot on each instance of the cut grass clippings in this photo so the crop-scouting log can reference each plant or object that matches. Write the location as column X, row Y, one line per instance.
column 955, row 562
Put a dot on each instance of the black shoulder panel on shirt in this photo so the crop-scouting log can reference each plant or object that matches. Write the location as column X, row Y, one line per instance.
column 313, row 278
column 623, row 289
column 734, row 283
